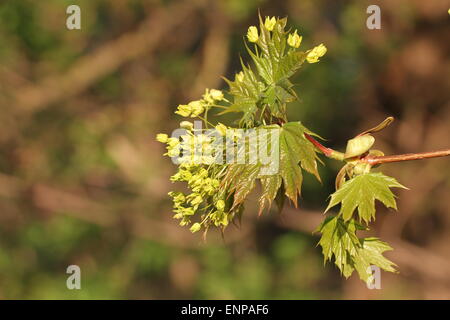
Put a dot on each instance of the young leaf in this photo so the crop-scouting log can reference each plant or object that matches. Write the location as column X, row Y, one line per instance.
column 295, row 153
column 339, row 240
column 241, row 180
column 361, row 192
column 350, row 253
column 295, row 149
column 371, row 253
column 270, row 186
column 246, row 92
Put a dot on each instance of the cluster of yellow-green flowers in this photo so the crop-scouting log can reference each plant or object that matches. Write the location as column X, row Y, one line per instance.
column 197, row 107
column 195, row 159
column 204, row 198
column 294, row 40
column 173, row 144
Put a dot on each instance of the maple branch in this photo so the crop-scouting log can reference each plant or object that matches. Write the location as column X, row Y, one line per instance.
column 374, row 160
column 330, row 153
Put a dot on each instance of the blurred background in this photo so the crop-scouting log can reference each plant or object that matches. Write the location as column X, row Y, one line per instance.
column 83, row 181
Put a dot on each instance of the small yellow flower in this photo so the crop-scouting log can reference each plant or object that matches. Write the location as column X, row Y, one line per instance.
column 252, row 34
column 178, row 197
column 220, row 205
column 173, row 142
column 294, row 40
column 239, row 77
column 224, row 221
column 269, row 24
column 197, row 108
column 177, row 216
column 186, row 125
column 207, row 97
column 187, row 211
column 216, row 94
column 174, row 152
column 195, row 227
column 162, row 137
column 196, row 200
column 317, row 52
column 222, row 129
column 184, row 110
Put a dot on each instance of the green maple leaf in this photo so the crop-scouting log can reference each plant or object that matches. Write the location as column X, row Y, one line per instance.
column 361, row 192
column 371, row 253
column 339, row 240
column 270, row 186
column 246, row 95
column 240, row 178
column 295, row 153
column 295, row 149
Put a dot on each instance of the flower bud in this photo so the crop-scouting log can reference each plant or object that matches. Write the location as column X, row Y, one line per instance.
column 252, row 34
column 357, row 146
column 239, row 77
column 196, row 200
column 220, row 205
column 184, row 110
column 294, row 40
column 197, row 108
column 216, row 94
column 222, row 129
column 186, row 125
column 173, row 142
column 162, row 137
column 269, row 24
column 195, row 227
column 317, row 52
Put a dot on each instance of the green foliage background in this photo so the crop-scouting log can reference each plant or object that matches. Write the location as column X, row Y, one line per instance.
column 82, row 180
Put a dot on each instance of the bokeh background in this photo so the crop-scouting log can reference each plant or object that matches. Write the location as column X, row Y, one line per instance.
column 82, row 180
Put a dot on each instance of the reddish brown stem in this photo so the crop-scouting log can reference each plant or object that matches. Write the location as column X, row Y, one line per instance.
column 405, row 157
column 330, row 153
column 326, row 151
column 374, row 160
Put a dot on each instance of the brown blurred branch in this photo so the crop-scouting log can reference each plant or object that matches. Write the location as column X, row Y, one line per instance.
column 104, row 60
column 79, row 206
column 215, row 52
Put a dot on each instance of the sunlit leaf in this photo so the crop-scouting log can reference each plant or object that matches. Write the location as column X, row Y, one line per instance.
column 361, row 192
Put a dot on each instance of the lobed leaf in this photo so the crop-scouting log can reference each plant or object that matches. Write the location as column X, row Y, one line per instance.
column 339, row 240
column 361, row 192
column 295, row 153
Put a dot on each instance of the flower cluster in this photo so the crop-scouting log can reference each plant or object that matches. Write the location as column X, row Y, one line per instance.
column 293, row 40
column 205, row 203
column 173, row 144
column 204, row 198
column 197, row 107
